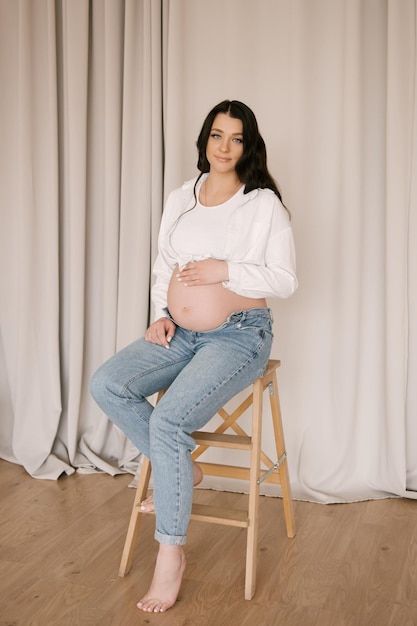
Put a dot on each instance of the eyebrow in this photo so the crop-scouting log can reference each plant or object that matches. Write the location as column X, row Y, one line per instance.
column 219, row 130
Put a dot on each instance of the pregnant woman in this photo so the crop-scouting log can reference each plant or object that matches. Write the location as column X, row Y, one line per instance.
column 225, row 245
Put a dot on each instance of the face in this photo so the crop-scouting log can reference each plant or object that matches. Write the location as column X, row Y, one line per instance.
column 225, row 143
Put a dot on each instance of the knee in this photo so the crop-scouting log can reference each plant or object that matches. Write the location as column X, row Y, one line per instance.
column 99, row 385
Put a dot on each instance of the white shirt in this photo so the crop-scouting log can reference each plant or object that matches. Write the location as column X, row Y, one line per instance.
column 259, row 246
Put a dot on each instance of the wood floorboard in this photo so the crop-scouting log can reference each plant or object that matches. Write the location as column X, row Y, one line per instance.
column 61, row 543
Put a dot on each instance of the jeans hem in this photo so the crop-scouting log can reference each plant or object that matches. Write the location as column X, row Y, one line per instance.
column 170, row 540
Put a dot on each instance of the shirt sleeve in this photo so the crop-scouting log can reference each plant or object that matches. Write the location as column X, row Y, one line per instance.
column 164, row 264
column 163, row 271
column 272, row 272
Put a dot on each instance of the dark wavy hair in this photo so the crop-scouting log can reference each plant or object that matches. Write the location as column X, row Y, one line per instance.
column 252, row 167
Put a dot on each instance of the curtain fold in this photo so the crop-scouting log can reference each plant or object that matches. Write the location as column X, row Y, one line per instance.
column 101, row 107
column 73, row 71
column 401, row 260
column 411, row 390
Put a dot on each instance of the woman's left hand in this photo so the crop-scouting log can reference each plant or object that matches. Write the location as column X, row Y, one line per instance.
column 206, row 272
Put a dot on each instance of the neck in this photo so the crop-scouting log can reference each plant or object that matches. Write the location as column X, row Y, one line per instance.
column 222, row 182
column 218, row 189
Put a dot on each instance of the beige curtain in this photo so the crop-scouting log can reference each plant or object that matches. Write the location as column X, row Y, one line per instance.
column 81, row 197
column 333, row 85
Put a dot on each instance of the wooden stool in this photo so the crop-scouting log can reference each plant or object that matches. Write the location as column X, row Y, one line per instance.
column 275, row 472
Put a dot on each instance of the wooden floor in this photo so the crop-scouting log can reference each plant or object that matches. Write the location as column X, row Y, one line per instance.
column 61, row 542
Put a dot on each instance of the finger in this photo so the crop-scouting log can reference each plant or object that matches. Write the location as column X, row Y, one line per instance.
column 167, row 341
column 184, row 278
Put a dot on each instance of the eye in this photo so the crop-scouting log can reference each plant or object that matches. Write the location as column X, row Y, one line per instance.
column 237, row 140
column 215, row 135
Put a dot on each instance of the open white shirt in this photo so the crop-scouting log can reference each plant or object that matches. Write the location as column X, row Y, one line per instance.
column 254, row 236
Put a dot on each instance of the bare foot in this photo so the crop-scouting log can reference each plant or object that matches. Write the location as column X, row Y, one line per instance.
column 166, row 582
column 147, row 505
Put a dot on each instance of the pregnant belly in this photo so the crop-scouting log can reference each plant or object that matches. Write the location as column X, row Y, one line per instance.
column 207, row 306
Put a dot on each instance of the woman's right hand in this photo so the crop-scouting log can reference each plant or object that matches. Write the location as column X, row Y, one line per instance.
column 161, row 332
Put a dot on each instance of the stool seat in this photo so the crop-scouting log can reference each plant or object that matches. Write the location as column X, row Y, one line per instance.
column 272, row 471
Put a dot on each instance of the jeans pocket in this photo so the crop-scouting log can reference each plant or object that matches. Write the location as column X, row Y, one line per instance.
column 261, row 324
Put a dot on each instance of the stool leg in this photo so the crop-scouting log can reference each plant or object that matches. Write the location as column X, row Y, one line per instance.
column 283, row 468
column 135, row 517
column 252, row 533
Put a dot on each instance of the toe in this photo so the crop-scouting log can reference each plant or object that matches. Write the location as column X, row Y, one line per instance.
column 147, row 505
column 152, row 605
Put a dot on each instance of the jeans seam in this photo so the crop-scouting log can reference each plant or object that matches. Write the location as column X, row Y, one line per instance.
column 131, row 404
column 226, row 380
column 146, row 373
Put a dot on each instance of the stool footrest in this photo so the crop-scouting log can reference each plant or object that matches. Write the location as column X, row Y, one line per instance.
column 225, row 471
column 239, row 473
column 219, row 515
column 215, row 515
column 218, row 440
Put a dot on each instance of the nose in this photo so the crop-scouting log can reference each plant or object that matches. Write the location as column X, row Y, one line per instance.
column 224, row 146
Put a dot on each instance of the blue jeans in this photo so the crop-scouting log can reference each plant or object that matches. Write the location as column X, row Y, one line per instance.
column 202, row 371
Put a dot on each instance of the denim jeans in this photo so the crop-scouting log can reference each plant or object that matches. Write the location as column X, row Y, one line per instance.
column 202, row 371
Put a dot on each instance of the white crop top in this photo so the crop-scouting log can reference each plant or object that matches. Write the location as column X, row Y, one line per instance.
column 201, row 233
